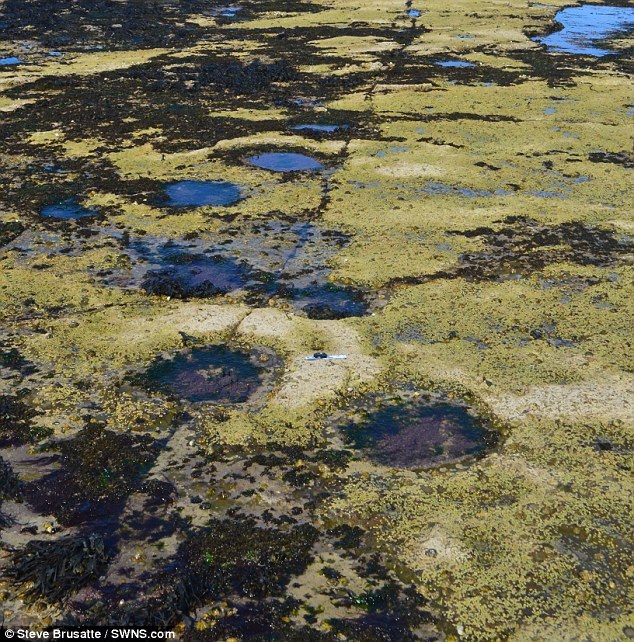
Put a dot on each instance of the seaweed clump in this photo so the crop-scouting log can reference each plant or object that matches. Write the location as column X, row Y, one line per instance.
column 10, row 231
column 9, row 482
column 9, row 489
column 170, row 283
column 100, row 468
column 53, row 571
column 238, row 557
column 389, row 613
column 16, row 421
column 273, row 620
column 253, row 77
column 254, row 622
column 75, row 24
column 626, row 159
column 523, row 245
column 229, row 75
column 227, row 558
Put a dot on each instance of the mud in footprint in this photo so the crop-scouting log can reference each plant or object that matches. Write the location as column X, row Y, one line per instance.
column 69, row 209
column 285, row 162
column 412, row 430
column 218, row 374
column 202, row 193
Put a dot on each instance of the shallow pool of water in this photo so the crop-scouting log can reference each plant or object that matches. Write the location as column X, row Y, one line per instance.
column 327, row 129
column 226, row 12
column 285, row 162
column 417, row 432
column 69, row 209
column 216, row 374
column 454, row 63
column 201, row 193
column 259, row 260
column 585, row 26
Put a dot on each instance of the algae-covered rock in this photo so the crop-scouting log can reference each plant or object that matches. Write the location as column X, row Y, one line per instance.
column 198, row 196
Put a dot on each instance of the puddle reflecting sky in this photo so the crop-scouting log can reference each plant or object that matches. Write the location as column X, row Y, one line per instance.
column 285, row 162
column 200, row 193
column 454, row 63
column 70, row 210
column 327, row 129
column 587, row 25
